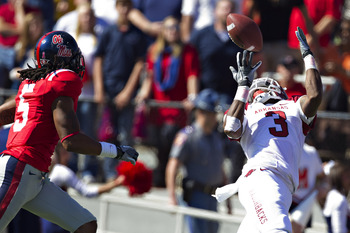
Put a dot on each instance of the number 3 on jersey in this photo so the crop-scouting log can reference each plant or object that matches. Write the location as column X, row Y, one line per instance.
column 280, row 120
column 23, row 107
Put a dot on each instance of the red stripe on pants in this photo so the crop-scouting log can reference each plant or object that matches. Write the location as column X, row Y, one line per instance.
column 13, row 187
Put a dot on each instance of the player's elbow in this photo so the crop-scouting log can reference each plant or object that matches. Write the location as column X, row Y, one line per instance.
column 68, row 145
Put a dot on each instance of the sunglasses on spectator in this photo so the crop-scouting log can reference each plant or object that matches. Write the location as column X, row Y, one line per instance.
column 172, row 27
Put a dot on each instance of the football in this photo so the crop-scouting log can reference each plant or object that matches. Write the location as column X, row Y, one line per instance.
column 244, row 32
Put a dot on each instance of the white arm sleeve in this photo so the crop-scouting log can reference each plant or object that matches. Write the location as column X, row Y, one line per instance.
column 304, row 118
column 63, row 176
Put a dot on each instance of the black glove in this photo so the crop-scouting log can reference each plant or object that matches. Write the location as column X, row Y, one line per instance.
column 304, row 46
column 245, row 74
column 127, row 153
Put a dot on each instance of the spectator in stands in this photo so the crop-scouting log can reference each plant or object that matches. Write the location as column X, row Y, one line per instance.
column 172, row 75
column 346, row 9
column 62, row 7
column 336, row 210
column 199, row 149
column 273, row 18
column 87, row 110
column 196, row 14
column 47, row 9
column 119, row 60
column 69, row 21
column 325, row 16
column 287, row 69
column 12, row 20
column 337, row 64
column 33, row 29
column 311, row 177
column 148, row 15
column 105, row 9
column 216, row 51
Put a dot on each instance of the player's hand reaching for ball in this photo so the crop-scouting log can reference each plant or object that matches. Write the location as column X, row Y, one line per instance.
column 245, row 74
column 304, row 46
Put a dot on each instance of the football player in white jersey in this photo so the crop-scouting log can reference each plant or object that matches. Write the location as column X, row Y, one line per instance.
column 271, row 129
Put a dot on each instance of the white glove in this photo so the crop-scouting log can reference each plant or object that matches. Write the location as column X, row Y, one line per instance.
column 245, row 74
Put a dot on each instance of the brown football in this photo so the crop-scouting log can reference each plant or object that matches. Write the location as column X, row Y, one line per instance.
column 244, row 32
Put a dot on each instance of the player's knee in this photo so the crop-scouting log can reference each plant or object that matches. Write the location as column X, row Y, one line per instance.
column 90, row 227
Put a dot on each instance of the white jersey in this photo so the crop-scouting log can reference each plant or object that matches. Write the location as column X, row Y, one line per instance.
column 336, row 212
column 310, row 166
column 273, row 137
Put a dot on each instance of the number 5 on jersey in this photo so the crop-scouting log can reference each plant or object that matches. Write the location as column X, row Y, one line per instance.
column 23, row 107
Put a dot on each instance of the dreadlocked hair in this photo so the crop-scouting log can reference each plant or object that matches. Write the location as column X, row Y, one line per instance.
column 35, row 74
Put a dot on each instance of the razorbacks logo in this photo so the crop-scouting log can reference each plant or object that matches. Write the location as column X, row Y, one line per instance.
column 63, row 51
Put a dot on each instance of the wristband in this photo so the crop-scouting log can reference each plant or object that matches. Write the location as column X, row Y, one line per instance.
column 191, row 97
column 310, row 62
column 242, row 93
column 109, row 150
column 245, row 82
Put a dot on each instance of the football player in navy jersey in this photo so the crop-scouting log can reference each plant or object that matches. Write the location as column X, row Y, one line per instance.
column 42, row 113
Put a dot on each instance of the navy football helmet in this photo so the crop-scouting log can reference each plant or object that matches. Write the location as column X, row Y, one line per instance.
column 59, row 48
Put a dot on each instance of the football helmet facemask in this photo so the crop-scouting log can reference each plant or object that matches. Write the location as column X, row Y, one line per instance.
column 264, row 89
column 59, row 47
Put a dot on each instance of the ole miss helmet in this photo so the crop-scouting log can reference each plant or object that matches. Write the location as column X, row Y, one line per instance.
column 264, row 89
column 59, row 48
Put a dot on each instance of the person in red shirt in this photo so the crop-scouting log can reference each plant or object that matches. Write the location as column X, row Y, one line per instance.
column 325, row 16
column 12, row 24
column 42, row 113
column 287, row 69
column 172, row 75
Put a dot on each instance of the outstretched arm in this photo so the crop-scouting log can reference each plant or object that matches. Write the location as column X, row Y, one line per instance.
column 313, row 83
column 138, row 19
column 68, row 129
column 244, row 76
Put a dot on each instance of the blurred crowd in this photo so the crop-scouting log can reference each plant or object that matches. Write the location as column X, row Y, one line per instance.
column 157, row 74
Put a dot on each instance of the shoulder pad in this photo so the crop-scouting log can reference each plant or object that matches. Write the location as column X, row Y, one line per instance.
column 63, row 75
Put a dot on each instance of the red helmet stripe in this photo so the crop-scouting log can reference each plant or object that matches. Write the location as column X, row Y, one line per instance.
column 37, row 55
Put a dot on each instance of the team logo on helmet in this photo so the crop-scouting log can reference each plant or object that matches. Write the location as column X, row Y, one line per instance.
column 63, row 51
column 57, row 39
